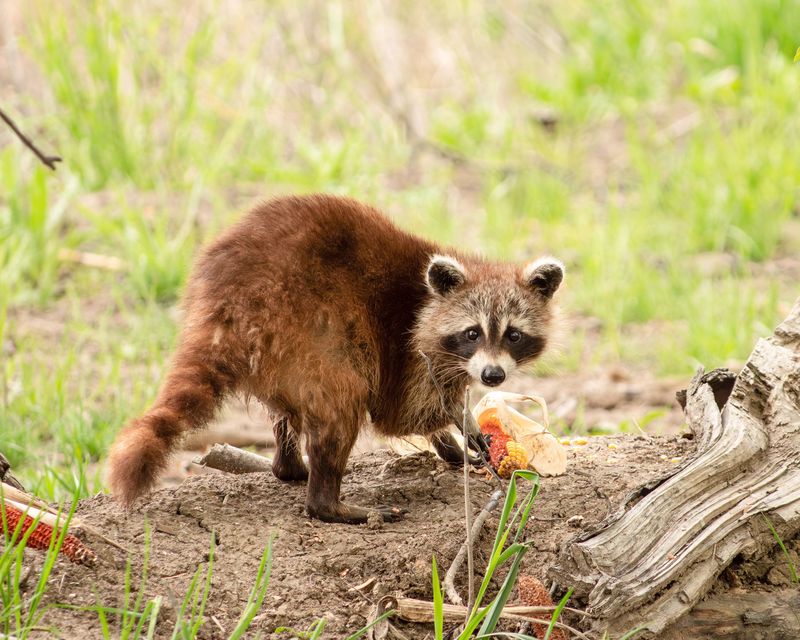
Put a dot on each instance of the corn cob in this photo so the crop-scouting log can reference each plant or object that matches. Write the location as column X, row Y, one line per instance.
column 533, row 593
column 43, row 532
column 515, row 458
column 505, row 454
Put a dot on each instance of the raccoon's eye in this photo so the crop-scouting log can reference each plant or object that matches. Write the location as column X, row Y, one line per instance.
column 514, row 336
column 472, row 334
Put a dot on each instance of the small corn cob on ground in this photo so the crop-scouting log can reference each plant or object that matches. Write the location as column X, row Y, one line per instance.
column 72, row 547
column 505, row 454
column 533, row 593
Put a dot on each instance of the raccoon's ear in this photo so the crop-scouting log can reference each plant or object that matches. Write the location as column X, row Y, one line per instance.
column 544, row 275
column 444, row 274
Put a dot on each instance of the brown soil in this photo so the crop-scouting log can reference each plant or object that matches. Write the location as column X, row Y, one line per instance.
column 316, row 565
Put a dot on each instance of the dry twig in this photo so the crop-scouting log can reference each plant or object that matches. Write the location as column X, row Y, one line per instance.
column 49, row 161
column 468, row 512
column 457, row 416
column 449, row 578
column 89, row 259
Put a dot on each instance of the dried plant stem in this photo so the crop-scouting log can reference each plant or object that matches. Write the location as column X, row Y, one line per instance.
column 467, row 422
column 456, row 418
column 468, row 513
column 48, row 161
column 474, row 531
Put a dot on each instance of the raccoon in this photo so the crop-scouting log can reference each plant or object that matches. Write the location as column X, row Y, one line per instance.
column 318, row 306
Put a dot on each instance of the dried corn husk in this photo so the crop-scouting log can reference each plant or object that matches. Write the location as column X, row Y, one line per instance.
column 545, row 454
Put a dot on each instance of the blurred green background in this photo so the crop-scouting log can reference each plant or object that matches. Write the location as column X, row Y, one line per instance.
column 653, row 146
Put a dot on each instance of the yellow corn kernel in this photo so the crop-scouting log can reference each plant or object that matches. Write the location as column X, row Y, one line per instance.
column 516, row 458
column 580, row 441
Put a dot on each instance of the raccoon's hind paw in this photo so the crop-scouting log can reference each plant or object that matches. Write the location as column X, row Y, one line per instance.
column 353, row 514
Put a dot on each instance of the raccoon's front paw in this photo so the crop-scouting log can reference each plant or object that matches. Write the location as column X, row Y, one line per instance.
column 477, row 442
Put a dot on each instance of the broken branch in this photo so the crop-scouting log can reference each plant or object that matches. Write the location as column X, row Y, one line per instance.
column 48, row 161
column 449, row 577
column 468, row 511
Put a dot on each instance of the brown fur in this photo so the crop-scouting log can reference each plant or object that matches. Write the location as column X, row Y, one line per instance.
column 316, row 306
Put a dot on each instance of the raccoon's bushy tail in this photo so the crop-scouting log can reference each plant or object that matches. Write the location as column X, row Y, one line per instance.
column 189, row 397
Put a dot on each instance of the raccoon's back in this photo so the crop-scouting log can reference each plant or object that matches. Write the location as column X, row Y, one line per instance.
column 317, row 243
column 301, row 254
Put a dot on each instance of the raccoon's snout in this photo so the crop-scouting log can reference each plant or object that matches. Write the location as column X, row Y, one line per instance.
column 492, row 375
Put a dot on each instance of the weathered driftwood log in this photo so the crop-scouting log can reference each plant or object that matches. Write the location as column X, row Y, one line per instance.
column 225, row 457
column 658, row 555
column 738, row 614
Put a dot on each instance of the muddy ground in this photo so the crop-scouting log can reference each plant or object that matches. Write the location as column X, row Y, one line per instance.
column 316, row 566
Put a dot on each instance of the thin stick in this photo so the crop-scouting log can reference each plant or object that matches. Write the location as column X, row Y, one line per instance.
column 475, row 530
column 49, row 161
column 468, row 514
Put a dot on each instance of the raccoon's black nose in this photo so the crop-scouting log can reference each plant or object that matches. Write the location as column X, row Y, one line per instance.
column 492, row 376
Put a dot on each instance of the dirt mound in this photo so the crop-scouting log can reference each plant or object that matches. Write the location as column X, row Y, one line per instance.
column 316, row 565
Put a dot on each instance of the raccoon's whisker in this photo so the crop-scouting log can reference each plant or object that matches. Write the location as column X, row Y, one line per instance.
column 449, row 354
column 447, row 377
column 449, row 366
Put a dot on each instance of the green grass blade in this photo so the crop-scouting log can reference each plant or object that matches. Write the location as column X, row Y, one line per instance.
column 366, row 628
column 257, row 593
column 632, row 633
column 507, row 634
column 792, row 568
column 474, row 620
column 316, row 632
column 101, row 614
column 438, row 604
column 151, row 628
column 496, row 608
column 56, row 543
column 554, row 618
column 206, row 588
column 497, row 556
column 529, row 499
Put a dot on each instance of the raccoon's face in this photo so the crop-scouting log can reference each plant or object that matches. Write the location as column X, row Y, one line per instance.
column 487, row 319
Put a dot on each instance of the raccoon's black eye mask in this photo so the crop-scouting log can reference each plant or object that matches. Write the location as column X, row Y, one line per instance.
column 526, row 348
column 464, row 343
